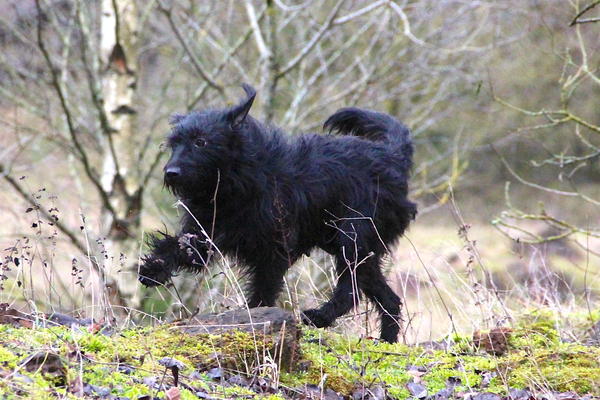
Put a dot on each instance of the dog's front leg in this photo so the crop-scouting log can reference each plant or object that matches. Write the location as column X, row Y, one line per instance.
column 169, row 254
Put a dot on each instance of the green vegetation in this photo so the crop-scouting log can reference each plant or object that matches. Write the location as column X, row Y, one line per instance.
column 128, row 363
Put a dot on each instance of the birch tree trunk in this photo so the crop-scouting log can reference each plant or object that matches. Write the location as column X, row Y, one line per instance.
column 120, row 176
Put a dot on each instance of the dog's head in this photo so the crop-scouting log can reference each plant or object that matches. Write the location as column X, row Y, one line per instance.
column 203, row 144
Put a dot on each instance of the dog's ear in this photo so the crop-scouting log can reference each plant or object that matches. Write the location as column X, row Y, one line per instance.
column 238, row 114
column 176, row 118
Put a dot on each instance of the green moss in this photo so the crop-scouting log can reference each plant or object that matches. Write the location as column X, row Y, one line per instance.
column 536, row 359
column 187, row 395
column 462, row 344
column 347, row 363
column 8, row 359
column 140, row 349
column 536, row 329
column 232, row 391
column 565, row 367
column 97, row 344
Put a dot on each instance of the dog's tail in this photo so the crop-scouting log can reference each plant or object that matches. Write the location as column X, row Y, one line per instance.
column 371, row 125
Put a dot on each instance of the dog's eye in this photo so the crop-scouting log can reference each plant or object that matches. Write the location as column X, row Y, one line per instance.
column 200, row 143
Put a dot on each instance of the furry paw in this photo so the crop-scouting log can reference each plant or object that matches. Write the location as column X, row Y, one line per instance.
column 316, row 318
column 153, row 271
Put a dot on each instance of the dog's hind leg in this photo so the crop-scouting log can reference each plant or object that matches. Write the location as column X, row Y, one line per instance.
column 342, row 300
column 357, row 264
column 350, row 256
column 372, row 282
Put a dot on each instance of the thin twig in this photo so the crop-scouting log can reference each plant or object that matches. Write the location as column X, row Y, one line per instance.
column 168, row 12
column 313, row 41
column 585, row 9
column 29, row 199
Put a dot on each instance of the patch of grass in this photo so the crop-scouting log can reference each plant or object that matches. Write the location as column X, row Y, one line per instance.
column 124, row 363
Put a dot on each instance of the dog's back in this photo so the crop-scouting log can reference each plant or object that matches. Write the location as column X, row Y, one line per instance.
column 362, row 173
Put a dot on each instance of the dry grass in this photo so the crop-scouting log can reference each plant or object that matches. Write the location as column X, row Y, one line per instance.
column 453, row 277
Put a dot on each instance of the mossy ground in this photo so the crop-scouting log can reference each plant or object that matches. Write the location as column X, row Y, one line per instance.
column 123, row 363
column 536, row 360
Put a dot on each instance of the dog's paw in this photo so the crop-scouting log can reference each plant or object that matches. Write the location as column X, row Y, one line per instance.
column 153, row 272
column 316, row 318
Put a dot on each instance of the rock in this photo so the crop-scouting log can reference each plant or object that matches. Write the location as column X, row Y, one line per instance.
column 487, row 378
column 263, row 385
column 152, row 382
column 486, row 396
column 169, row 362
column 204, row 395
column 376, row 392
column 417, row 390
column 237, row 380
column 196, row 375
column 215, row 373
column 314, row 392
column 45, row 362
column 272, row 321
column 416, row 371
column 519, row 394
column 567, row 396
column 67, row 320
column 443, row 394
column 260, row 319
column 444, row 345
column 98, row 391
column 125, row 369
column 453, row 381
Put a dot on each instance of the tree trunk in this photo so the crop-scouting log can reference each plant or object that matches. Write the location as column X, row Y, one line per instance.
column 120, row 176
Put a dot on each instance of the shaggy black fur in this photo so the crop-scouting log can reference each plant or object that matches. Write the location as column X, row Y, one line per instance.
column 266, row 198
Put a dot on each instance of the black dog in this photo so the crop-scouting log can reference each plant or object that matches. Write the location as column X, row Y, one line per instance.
column 254, row 193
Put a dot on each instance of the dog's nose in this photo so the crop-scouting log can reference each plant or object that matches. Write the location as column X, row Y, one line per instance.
column 172, row 172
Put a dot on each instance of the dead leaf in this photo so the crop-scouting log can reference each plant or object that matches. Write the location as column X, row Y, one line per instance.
column 173, row 394
column 10, row 316
column 493, row 342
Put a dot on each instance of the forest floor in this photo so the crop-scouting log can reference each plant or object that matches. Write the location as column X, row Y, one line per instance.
column 537, row 357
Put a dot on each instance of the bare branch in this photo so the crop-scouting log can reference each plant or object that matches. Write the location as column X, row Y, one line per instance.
column 405, row 22
column 313, row 41
column 359, row 12
column 258, row 36
column 585, row 9
column 231, row 53
column 168, row 12
column 535, row 185
column 297, row 7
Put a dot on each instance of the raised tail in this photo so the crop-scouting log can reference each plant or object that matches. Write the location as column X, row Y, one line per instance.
column 371, row 125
